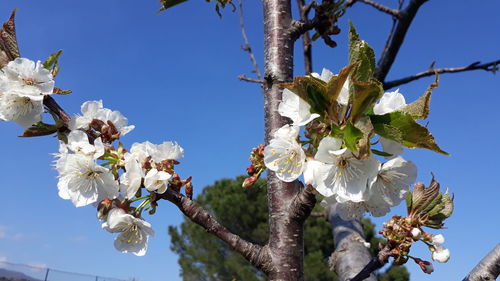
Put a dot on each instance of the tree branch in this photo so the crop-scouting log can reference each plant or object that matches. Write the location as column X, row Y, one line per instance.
column 54, row 108
column 247, row 47
column 300, row 27
column 306, row 40
column 396, row 38
column 255, row 254
column 303, row 204
column 393, row 12
column 247, row 79
column 489, row 66
column 350, row 256
column 376, row 263
column 488, row 268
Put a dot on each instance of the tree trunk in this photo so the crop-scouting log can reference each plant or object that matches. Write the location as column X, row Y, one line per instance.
column 285, row 234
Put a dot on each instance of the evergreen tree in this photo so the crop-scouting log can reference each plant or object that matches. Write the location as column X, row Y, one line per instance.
column 244, row 212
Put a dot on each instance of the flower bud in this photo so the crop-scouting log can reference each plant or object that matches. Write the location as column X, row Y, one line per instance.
column 251, row 170
column 438, row 239
column 189, row 190
column 249, row 182
column 416, row 233
column 425, row 266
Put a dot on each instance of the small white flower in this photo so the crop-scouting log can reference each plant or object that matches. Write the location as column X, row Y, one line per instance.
column 295, row 108
column 22, row 109
column 157, row 180
column 440, row 254
column 84, row 181
column 392, row 182
column 416, row 233
column 135, row 160
column 347, row 177
column 167, row 151
column 134, row 232
column 284, row 155
column 26, row 77
column 390, row 102
column 94, row 110
column 438, row 239
column 78, row 142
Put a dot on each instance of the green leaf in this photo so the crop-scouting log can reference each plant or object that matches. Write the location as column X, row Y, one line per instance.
column 351, row 136
column 169, row 3
column 411, row 135
column 419, row 109
column 52, row 60
column 360, row 51
column 312, row 90
column 364, row 95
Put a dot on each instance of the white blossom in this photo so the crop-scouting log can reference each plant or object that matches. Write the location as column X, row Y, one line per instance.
column 392, row 182
column 167, row 151
column 94, row 110
column 134, row 232
column 78, row 142
column 390, row 102
column 134, row 166
column 440, row 254
column 295, row 108
column 83, row 181
column 347, row 176
column 284, row 155
column 23, row 109
column 157, row 180
column 27, row 78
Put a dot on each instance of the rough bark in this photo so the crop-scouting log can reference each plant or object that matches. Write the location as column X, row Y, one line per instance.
column 488, row 268
column 285, row 234
column 351, row 255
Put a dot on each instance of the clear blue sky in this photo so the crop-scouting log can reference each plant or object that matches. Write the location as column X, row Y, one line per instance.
column 174, row 76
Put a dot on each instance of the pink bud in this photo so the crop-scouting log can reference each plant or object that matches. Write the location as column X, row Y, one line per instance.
column 425, row 266
column 249, row 182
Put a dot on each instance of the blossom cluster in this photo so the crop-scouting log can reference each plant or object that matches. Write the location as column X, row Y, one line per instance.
column 357, row 184
column 91, row 170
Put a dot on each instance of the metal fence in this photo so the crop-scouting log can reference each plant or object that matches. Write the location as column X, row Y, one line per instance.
column 24, row 272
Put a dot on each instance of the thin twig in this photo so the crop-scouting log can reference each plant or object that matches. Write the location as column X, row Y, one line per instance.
column 247, row 79
column 306, row 40
column 247, row 48
column 393, row 12
column 396, row 38
column 489, row 66
column 488, row 268
column 376, row 263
